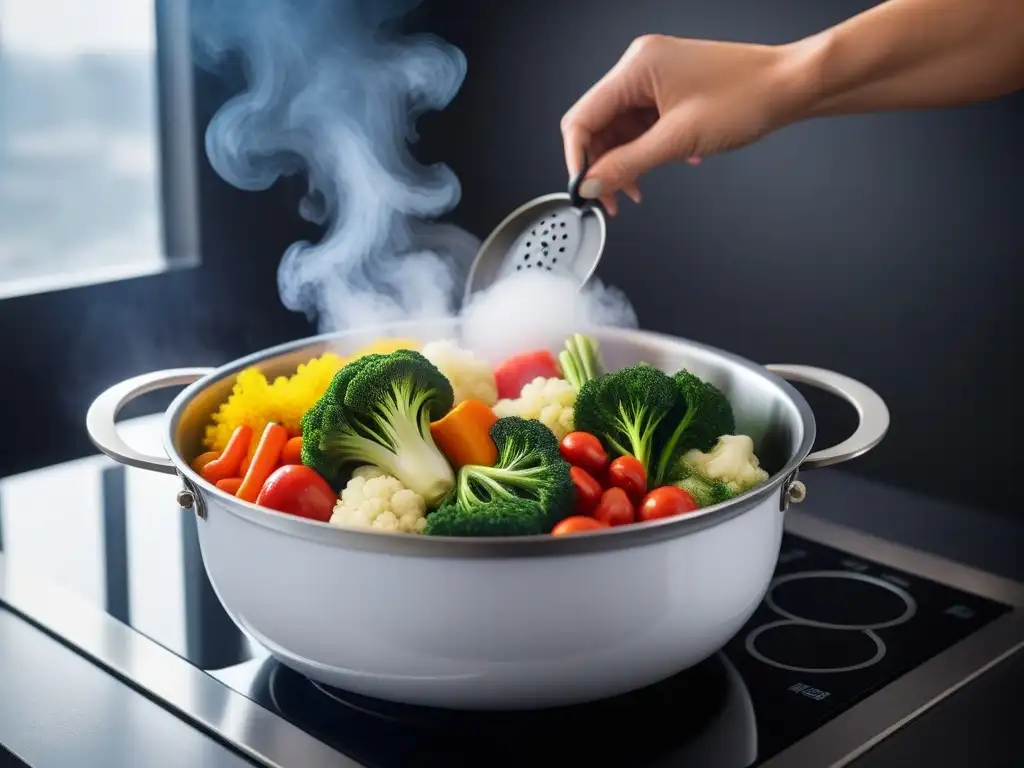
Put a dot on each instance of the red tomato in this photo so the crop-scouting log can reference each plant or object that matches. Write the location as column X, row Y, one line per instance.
column 628, row 474
column 583, row 450
column 519, row 370
column 577, row 524
column 667, row 501
column 588, row 490
column 615, row 508
column 298, row 490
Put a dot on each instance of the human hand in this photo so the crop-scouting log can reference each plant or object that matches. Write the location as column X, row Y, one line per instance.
column 672, row 99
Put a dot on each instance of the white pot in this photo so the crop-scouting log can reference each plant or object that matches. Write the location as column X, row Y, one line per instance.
column 504, row 623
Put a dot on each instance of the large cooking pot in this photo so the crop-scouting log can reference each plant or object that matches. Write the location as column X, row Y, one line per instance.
column 498, row 623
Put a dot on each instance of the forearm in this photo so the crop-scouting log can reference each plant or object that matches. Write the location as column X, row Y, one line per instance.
column 911, row 54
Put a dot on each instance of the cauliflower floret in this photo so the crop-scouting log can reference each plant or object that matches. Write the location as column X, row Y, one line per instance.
column 731, row 461
column 374, row 500
column 549, row 401
column 471, row 377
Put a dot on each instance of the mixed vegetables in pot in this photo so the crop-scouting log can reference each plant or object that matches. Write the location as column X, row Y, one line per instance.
column 433, row 440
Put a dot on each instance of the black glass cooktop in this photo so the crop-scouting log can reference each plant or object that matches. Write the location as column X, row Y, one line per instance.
column 831, row 631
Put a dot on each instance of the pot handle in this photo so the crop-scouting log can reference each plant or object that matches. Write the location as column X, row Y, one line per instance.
column 871, row 409
column 100, row 419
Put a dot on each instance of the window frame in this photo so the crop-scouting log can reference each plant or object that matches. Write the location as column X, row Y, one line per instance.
column 177, row 181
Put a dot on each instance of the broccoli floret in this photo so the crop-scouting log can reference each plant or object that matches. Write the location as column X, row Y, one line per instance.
column 701, row 415
column 327, row 403
column 330, row 408
column 624, row 409
column 706, row 492
column 511, row 516
column 526, row 492
column 377, row 410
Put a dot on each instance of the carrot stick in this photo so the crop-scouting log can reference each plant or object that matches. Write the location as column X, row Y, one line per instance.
column 264, row 460
column 229, row 484
column 244, row 466
column 203, row 459
column 292, row 453
column 464, row 434
column 226, row 465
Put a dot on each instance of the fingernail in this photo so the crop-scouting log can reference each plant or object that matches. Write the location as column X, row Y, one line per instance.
column 590, row 189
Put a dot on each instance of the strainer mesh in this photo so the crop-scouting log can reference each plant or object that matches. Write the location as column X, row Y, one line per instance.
column 550, row 242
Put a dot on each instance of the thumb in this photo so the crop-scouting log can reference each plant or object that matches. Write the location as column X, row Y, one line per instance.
column 619, row 168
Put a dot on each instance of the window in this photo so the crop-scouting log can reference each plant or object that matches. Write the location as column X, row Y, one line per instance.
column 81, row 193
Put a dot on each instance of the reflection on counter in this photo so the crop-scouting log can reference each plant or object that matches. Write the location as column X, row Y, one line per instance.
column 116, row 537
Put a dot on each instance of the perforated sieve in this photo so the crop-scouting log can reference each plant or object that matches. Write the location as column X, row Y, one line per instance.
column 559, row 233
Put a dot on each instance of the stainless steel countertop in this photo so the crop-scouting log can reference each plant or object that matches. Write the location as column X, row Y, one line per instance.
column 57, row 708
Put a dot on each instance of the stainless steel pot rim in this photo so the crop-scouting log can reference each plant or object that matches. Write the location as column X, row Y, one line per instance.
column 406, row 544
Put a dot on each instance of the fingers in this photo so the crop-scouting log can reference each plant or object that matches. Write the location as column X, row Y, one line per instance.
column 575, row 138
column 618, row 169
column 617, row 123
column 611, row 97
column 611, row 205
column 588, row 116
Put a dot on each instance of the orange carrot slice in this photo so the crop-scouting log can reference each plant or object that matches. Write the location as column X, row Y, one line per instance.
column 264, row 461
column 292, row 453
column 203, row 459
column 226, row 465
column 464, row 434
column 229, row 484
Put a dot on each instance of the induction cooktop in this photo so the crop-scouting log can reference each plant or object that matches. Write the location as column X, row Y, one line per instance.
column 855, row 637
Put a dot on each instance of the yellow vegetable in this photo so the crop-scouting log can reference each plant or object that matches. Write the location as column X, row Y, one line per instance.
column 256, row 402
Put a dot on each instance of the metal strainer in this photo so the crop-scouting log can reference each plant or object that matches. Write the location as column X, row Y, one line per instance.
column 561, row 233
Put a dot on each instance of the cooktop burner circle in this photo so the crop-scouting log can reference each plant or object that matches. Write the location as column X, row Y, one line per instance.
column 884, row 611
column 362, row 704
column 865, row 638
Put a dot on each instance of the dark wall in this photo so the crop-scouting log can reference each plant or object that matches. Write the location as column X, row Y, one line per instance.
column 885, row 247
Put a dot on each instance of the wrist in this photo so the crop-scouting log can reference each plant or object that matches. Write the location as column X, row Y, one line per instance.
column 798, row 80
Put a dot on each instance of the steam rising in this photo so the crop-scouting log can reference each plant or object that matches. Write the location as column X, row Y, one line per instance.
column 333, row 92
column 531, row 310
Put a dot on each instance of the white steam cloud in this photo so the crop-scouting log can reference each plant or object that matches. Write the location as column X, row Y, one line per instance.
column 531, row 310
column 333, row 91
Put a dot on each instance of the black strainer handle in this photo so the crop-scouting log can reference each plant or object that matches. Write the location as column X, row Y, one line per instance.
column 574, row 187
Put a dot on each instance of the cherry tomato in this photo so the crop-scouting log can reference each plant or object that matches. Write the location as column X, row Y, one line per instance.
column 585, row 451
column 298, row 490
column 628, row 474
column 577, row 524
column 588, row 490
column 615, row 508
column 667, row 501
